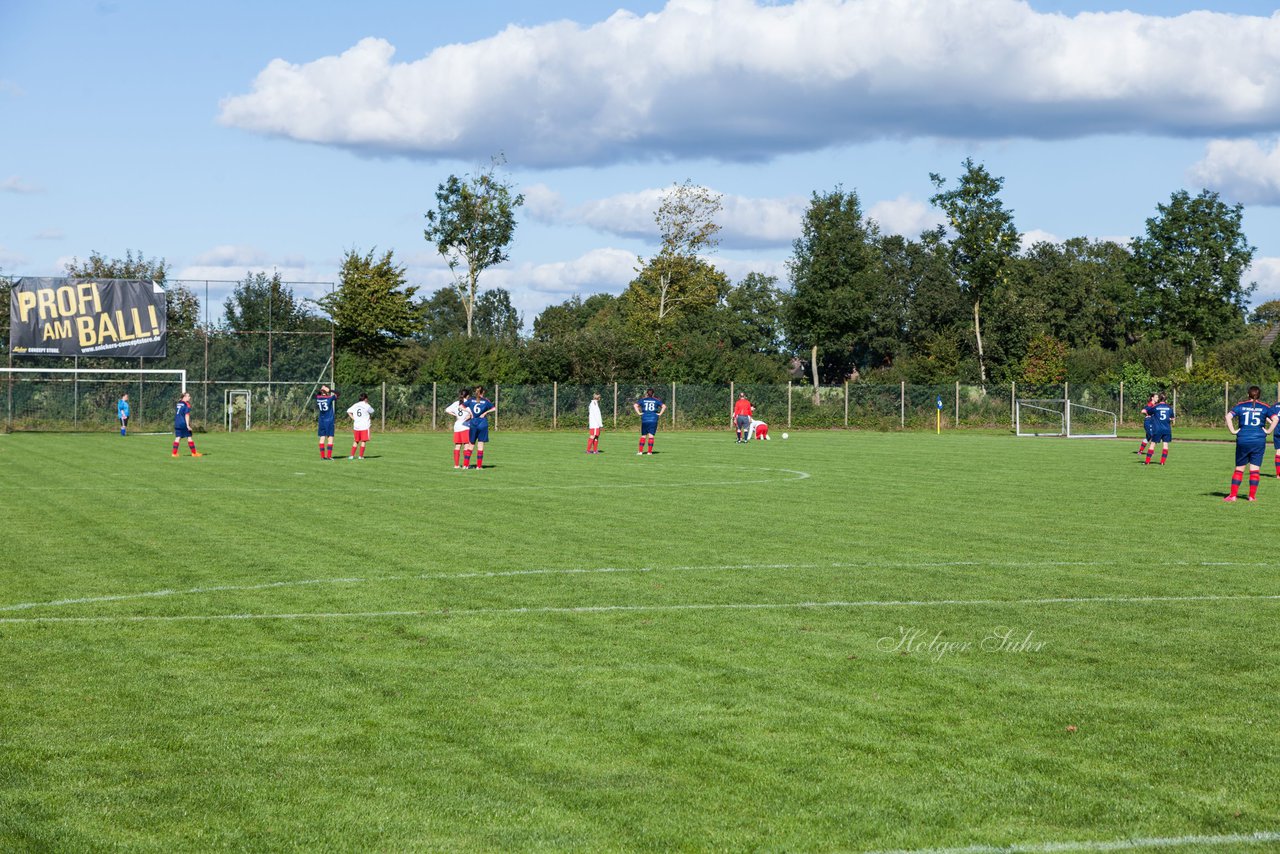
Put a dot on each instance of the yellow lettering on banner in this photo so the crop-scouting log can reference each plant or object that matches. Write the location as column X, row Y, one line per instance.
column 105, row 329
column 84, row 330
column 44, row 299
column 57, row 330
column 88, row 294
column 26, row 302
column 66, row 301
column 122, row 328
column 137, row 323
column 155, row 323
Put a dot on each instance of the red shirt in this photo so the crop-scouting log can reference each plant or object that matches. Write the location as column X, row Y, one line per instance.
column 742, row 407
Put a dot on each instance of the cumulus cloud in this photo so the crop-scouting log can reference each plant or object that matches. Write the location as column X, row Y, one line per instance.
column 1242, row 169
column 742, row 80
column 1266, row 272
column 14, row 184
column 905, row 216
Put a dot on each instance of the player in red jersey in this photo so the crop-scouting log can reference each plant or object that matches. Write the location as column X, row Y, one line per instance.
column 742, row 418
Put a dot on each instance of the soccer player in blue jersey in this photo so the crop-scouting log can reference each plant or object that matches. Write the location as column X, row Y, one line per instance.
column 650, row 409
column 1256, row 419
column 481, row 408
column 326, row 407
column 1161, row 429
column 182, row 426
column 1147, row 423
column 122, row 411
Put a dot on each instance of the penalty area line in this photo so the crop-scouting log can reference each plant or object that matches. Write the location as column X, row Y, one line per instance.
column 600, row 570
column 1135, row 844
column 611, row 609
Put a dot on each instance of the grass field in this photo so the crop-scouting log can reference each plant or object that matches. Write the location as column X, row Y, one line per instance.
column 844, row 641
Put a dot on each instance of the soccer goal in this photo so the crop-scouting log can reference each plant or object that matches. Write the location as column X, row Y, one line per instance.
column 71, row 399
column 1063, row 417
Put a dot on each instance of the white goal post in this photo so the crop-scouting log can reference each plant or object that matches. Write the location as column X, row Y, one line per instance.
column 84, row 398
column 1063, row 417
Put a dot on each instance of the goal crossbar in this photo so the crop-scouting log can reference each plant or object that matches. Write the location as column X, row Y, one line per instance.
column 120, row 372
column 1062, row 416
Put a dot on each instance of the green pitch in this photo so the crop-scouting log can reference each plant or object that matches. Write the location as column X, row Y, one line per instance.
column 843, row 641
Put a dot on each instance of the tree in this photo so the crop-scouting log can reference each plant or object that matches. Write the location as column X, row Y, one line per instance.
column 676, row 282
column 985, row 240
column 372, row 307
column 260, row 303
column 834, row 266
column 1188, row 269
column 472, row 226
column 496, row 317
column 182, row 307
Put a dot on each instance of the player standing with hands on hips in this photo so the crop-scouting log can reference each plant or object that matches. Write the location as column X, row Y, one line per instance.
column 361, row 420
column 1256, row 420
column 649, row 408
column 182, row 426
column 461, row 431
column 326, row 406
column 481, row 407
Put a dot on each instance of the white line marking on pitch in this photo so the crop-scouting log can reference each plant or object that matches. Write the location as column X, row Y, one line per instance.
column 1103, row 845
column 514, row 573
column 605, row 609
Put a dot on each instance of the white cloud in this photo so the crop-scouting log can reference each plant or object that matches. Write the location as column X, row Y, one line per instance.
column 1241, row 169
column 14, row 184
column 238, row 257
column 1266, row 272
column 743, row 80
column 1036, row 235
column 906, row 216
column 49, row 234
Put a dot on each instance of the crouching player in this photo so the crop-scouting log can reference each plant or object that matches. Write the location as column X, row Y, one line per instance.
column 758, row 429
column 1255, row 420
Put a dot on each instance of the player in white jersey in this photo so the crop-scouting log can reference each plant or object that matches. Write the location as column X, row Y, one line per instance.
column 595, row 423
column 361, row 420
column 758, row 430
column 461, row 425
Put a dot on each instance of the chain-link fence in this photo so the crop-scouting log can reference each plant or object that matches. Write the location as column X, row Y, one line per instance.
column 85, row 402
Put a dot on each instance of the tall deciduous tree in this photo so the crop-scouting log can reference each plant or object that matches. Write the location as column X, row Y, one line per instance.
column 985, row 241
column 261, row 302
column 372, row 307
column 834, row 266
column 676, row 282
column 182, row 307
column 1188, row 269
column 472, row 226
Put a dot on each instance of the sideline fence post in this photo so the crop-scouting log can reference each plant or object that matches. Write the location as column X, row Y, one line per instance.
column 846, row 404
column 384, row 406
column 1226, row 397
column 788, row 404
column 1122, row 403
column 957, row 412
column 1013, row 405
column 433, row 406
column 1175, row 399
column 615, row 404
column 732, row 399
column 495, row 405
column 673, row 404
column 902, row 405
column 555, row 402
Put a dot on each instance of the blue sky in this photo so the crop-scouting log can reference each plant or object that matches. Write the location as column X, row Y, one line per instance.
column 243, row 136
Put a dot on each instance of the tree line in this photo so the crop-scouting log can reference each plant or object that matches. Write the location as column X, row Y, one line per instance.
column 962, row 302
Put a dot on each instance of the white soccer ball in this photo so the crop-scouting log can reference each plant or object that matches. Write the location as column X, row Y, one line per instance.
column 784, row 435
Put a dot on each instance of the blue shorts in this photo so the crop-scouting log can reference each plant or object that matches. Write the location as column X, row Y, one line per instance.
column 743, row 421
column 1250, row 454
column 325, row 429
column 648, row 428
column 181, row 432
column 1146, row 428
column 1161, row 434
column 478, row 434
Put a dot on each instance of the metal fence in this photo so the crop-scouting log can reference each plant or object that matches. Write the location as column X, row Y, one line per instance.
column 89, row 403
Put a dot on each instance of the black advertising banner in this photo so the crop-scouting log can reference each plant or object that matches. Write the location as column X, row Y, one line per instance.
column 86, row 317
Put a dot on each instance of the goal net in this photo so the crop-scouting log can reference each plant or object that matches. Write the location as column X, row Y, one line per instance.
column 1063, row 417
column 86, row 399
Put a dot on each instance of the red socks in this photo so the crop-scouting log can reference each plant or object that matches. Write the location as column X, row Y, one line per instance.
column 1236, row 477
column 1164, row 455
column 457, row 456
column 1253, row 484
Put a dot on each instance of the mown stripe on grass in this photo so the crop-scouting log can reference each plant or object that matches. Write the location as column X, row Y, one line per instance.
column 1102, row 845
